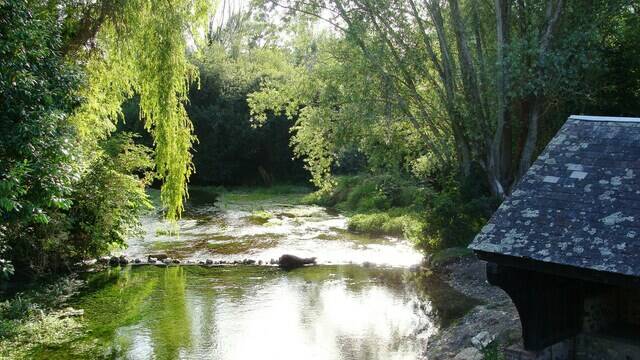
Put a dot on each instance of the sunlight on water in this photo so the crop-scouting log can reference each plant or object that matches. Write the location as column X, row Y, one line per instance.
column 250, row 312
column 226, row 232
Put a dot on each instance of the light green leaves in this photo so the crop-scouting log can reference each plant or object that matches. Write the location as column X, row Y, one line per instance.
column 143, row 50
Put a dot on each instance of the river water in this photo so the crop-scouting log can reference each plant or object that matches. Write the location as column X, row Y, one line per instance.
column 361, row 302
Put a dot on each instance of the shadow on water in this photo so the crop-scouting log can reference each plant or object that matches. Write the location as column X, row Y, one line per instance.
column 244, row 312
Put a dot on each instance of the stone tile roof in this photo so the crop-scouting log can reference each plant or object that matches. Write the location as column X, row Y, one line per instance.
column 579, row 203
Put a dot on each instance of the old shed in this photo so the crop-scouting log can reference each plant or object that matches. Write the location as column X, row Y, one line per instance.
column 565, row 245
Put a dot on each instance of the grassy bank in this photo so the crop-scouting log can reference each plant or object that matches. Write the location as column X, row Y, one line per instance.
column 38, row 318
column 433, row 219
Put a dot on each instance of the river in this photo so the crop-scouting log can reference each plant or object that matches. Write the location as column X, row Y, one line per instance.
column 362, row 300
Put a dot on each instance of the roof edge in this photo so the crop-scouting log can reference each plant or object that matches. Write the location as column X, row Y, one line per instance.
column 605, row 118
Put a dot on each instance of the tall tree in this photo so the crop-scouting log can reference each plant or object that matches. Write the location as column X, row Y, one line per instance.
column 459, row 70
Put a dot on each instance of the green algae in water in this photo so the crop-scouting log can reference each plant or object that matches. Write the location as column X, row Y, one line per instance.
column 260, row 217
column 246, row 312
column 216, row 245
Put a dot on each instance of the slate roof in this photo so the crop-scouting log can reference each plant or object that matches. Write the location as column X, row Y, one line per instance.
column 579, row 203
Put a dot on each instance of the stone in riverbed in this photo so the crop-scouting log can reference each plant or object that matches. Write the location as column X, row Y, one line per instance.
column 469, row 354
column 114, row 261
column 290, row 262
column 209, row 262
column 137, row 261
column 482, row 340
column 157, row 257
column 175, row 261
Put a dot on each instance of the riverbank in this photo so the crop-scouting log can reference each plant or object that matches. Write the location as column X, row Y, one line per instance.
column 487, row 328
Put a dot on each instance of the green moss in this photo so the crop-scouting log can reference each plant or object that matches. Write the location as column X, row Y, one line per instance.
column 167, row 232
column 396, row 222
column 260, row 217
column 241, row 245
column 291, row 194
column 492, row 352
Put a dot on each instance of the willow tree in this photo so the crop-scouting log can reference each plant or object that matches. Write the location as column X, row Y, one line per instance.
column 139, row 47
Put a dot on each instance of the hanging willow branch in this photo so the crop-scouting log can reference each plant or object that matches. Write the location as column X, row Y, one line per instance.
column 142, row 49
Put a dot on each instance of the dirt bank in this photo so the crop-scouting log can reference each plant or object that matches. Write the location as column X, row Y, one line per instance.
column 497, row 316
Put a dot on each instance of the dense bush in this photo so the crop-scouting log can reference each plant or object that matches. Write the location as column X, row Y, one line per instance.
column 104, row 208
column 433, row 218
column 37, row 165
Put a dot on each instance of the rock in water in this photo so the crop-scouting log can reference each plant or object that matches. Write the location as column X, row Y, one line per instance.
column 290, row 262
column 157, row 257
column 114, row 261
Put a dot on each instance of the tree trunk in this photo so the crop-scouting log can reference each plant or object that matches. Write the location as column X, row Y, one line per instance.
column 532, row 137
column 496, row 156
column 552, row 17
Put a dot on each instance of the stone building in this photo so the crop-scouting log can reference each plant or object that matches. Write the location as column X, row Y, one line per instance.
column 565, row 246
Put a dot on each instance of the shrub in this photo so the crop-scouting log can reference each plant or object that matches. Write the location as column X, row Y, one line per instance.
column 433, row 220
column 104, row 210
column 37, row 165
column 455, row 215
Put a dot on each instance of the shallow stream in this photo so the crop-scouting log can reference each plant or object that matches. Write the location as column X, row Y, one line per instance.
column 361, row 302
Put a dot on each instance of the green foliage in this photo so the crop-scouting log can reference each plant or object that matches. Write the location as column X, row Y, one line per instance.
column 493, row 352
column 397, row 206
column 110, row 197
column 37, row 161
column 378, row 204
column 142, row 49
column 339, row 109
column 618, row 72
column 232, row 151
column 105, row 207
column 396, row 223
column 455, row 214
column 33, row 319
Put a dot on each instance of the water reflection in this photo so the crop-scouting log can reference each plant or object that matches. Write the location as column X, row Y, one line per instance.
column 244, row 312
